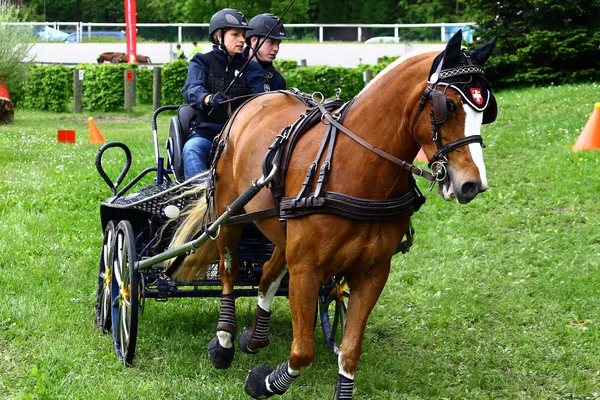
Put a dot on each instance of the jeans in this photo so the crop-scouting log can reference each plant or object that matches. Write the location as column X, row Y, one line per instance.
column 196, row 155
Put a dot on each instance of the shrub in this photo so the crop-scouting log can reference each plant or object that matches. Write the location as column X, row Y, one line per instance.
column 49, row 87
column 326, row 79
column 173, row 78
column 285, row 65
column 15, row 45
column 144, row 82
column 103, row 86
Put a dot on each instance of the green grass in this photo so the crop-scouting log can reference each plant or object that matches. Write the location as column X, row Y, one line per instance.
column 497, row 299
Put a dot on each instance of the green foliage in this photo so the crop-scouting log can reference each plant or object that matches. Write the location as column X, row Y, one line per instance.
column 540, row 41
column 144, row 80
column 324, row 79
column 103, row 86
column 15, row 46
column 285, row 65
column 49, row 88
column 173, row 76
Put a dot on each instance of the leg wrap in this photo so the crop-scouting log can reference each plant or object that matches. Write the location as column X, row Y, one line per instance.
column 227, row 315
column 260, row 328
column 256, row 337
column 343, row 388
column 280, row 380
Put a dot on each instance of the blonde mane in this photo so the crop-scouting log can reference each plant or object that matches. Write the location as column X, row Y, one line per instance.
column 400, row 60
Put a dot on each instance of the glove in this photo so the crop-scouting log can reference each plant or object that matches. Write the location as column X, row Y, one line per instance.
column 217, row 98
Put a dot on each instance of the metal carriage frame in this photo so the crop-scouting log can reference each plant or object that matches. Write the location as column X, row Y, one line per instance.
column 137, row 226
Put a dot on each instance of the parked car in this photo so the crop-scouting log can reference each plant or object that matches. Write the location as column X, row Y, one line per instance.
column 116, row 35
column 384, row 39
column 47, row 33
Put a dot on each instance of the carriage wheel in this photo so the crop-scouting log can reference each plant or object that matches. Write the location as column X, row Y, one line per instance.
column 103, row 299
column 332, row 310
column 125, row 293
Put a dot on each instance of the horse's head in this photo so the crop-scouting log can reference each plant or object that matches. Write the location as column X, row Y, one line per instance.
column 460, row 101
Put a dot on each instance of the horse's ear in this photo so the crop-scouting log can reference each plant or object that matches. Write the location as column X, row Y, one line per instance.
column 481, row 54
column 452, row 52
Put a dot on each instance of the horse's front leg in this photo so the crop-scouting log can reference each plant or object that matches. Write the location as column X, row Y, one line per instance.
column 221, row 348
column 257, row 336
column 365, row 289
column 263, row 381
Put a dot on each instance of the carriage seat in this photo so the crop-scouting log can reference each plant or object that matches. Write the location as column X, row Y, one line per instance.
column 179, row 131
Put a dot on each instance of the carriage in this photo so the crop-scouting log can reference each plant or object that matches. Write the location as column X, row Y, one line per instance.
column 341, row 198
column 137, row 225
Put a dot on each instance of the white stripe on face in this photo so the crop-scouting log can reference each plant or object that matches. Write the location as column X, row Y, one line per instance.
column 473, row 121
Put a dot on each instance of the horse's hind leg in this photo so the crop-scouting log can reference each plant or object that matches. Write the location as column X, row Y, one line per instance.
column 365, row 292
column 221, row 349
column 262, row 381
column 257, row 336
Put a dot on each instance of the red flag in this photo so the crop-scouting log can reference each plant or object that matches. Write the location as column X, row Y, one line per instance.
column 131, row 21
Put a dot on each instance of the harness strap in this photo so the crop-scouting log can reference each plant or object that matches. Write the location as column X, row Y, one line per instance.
column 407, row 166
column 455, row 145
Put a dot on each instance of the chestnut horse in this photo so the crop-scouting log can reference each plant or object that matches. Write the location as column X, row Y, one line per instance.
column 118, row 57
column 434, row 101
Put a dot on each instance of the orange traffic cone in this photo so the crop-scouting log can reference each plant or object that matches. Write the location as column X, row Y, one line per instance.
column 589, row 139
column 95, row 135
column 421, row 157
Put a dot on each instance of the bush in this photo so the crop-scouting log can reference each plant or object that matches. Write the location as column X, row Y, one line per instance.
column 15, row 45
column 103, row 86
column 539, row 42
column 49, row 87
column 173, row 78
column 284, row 65
column 326, row 79
column 143, row 88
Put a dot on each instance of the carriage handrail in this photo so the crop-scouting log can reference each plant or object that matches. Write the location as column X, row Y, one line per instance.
column 210, row 232
column 113, row 186
column 155, row 128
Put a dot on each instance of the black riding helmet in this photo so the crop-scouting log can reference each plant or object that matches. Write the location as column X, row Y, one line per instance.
column 226, row 18
column 261, row 26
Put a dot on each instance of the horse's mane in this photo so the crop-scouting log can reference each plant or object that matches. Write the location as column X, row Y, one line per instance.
column 408, row 56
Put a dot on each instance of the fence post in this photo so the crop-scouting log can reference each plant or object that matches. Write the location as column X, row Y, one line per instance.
column 77, row 90
column 303, row 63
column 367, row 76
column 129, row 89
column 156, row 81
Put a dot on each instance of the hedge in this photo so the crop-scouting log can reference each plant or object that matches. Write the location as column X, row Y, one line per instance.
column 51, row 86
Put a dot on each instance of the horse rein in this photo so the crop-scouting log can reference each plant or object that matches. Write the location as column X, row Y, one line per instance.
column 405, row 165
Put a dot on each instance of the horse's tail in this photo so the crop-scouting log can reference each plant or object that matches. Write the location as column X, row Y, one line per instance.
column 148, row 60
column 195, row 265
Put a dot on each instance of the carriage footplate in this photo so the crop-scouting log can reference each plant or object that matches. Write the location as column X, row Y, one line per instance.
column 163, row 199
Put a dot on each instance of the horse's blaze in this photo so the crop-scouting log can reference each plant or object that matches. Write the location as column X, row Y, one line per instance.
column 459, row 186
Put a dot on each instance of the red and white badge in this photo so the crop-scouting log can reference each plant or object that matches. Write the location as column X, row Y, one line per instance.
column 476, row 95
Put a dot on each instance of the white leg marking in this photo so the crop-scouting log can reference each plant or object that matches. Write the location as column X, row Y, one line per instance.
column 341, row 369
column 293, row 372
column 228, row 261
column 225, row 339
column 266, row 299
column 473, row 127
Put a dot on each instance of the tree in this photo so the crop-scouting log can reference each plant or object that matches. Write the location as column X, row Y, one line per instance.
column 539, row 41
column 14, row 50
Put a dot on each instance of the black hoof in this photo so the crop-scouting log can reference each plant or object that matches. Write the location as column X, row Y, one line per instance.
column 220, row 357
column 243, row 341
column 255, row 385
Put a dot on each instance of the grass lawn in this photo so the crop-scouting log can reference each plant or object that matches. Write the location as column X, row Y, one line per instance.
column 497, row 299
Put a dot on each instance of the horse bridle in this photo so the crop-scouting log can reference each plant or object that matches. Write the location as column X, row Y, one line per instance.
column 440, row 107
